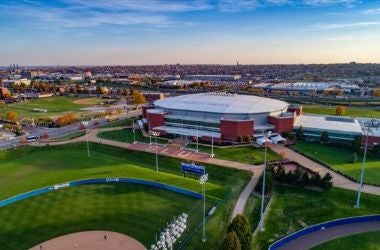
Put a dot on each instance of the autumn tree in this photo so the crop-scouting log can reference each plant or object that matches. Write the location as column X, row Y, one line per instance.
column 376, row 92
column 12, row 116
column 340, row 110
column 45, row 136
column 138, row 98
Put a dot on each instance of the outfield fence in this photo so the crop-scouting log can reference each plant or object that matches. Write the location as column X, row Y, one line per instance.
column 322, row 226
column 99, row 181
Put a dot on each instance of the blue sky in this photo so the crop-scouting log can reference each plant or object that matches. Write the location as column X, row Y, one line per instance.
column 97, row 32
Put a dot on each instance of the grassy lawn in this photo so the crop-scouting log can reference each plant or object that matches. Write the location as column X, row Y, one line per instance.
column 293, row 209
column 368, row 241
column 68, row 136
column 340, row 159
column 126, row 135
column 126, row 208
column 350, row 111
column 244, row 154
column 54, row 106
column 119, row 123
column 29, row 168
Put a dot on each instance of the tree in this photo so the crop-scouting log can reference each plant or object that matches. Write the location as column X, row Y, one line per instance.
column 300, row 133
column 240, row 138
column 357, row 143
column 354, row 157
column 324, row 137
column 376, row 150
column 2, row 105
column 326, row 182
column 241, row 227
column 12, row 116
column 305, row 179
column 247, row 138
column 230, row 242
column 376, row 92
column 138, row 98
column 268, row 183
column 340, row 110
column 45, row 136
column 282, row 154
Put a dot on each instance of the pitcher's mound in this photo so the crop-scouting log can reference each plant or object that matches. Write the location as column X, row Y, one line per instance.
column 91, row 240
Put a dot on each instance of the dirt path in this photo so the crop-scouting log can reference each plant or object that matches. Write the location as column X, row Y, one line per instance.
column 91, row 240
column 338, row 180
column 311, row 240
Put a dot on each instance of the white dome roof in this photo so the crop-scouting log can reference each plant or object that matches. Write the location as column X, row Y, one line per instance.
column 222, row 103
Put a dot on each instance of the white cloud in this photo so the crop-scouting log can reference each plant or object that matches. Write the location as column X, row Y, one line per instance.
column 371, row 11
column 348, row 3
column 332, row 26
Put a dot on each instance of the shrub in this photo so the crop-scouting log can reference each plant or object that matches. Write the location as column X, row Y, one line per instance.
column 288, row 135
column 324, row 137
column 230, row 242
column 300, row 134
column 340, row 110
column 376, row 151
column 240, row 139
column 241, row 227
column 326, row 182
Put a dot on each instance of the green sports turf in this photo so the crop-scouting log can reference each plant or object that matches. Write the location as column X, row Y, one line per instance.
column 340, row 159
column 293, row 209
column 367, row 241
column 29, row 168
column 54, row 106
column 135, row 210
column 244, row 154
column 350, row 111
column 126, row 135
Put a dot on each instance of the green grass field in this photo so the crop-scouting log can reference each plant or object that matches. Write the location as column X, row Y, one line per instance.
column 293, row 209
column 120, row 123
column 126, row 135
column 350, row 111
column 244, row 154
column 54, row 105
column 29, row 168
column 126, row 208
column 340, row 159
column 367, row 241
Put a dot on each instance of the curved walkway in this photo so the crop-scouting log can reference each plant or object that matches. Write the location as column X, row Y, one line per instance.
column 338, row 180
column 314, row 239
column 91, row 240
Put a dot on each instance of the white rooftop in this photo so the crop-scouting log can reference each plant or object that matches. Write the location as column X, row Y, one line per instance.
column 222, row 103
column 329, row 123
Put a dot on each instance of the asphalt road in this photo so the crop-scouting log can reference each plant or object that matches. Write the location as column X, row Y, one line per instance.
column 58, row 132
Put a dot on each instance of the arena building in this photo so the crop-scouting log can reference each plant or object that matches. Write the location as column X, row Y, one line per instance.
column 219, row 116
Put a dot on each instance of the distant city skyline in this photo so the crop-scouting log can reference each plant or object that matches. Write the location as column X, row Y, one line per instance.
column 121, row 32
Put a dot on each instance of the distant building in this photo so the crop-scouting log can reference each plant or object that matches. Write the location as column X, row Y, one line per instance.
column 213, row 77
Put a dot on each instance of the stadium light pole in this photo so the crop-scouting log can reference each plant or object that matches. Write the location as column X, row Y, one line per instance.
column 212, row 147
column 203, row 181
column 85, row 124
column 155, row 134
column 150, row 136
column 197, row 139
column 134, row 132
column 357, row 205
column 263, row 182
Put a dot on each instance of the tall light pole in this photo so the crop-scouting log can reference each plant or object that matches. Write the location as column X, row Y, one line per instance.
column 203, row 181
column 212, row 147
column 357, row 205
column 85, row 124
column 263, row 182
column 197, row 139
column 155, row 134
column 150, row 136
column 134, row 132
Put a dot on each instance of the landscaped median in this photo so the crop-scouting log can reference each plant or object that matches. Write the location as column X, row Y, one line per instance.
column 340, row 160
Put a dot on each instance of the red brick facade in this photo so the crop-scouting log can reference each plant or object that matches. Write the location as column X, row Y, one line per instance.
column 283, row 124
column 297, row 109
column 144, row 109
column 155, row 120
column 231, row 129
column 372, row 140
